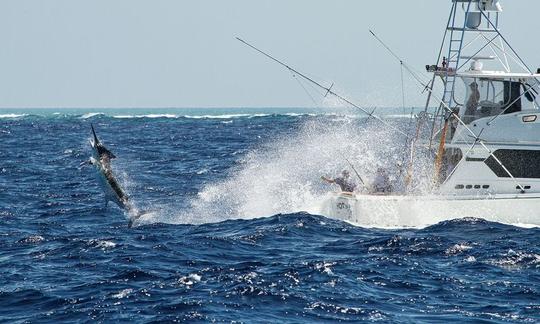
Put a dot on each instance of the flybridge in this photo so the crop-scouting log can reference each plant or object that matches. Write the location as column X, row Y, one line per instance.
column 478, row 56
column 482, row 106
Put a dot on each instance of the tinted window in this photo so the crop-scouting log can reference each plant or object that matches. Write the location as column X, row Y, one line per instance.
column 512, row 93
column 520, row 163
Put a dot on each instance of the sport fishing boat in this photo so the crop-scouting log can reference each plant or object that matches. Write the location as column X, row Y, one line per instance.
column 484, row 138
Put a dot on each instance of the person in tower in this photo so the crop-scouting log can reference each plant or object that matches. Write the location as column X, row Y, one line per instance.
column 472, row 103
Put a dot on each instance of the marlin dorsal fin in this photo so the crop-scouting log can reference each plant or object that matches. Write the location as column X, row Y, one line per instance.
column 96, row 140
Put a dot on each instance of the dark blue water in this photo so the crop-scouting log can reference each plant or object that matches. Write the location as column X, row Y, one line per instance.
column 64, row 256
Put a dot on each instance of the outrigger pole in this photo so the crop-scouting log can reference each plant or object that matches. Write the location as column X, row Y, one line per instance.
column 428, row 87
column 328, row 89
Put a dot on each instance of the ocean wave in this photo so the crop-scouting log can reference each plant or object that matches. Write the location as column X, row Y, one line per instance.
column 260, row 115
column 13, row 115
column 102, row 244
column 225, row 116
column 308, row 114
column 67, row 258
column 33, row 239
column 189, row 280
column 145, row 116
column 90, row 115
column 123, row 293
column 458, row 248
column 516, row 260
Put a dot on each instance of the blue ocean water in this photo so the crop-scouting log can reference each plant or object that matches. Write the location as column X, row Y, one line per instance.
column 229, row 238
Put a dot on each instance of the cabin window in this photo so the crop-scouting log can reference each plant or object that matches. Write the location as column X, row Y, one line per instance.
column 512, row 94
column 460, row 186
column 520, row 163
column 487, row 98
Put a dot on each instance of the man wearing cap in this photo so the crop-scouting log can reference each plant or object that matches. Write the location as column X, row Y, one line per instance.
column 344, row 182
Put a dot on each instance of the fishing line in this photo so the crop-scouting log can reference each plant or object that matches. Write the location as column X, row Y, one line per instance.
column 402, row 89
column 305, row 90
column 328, row 89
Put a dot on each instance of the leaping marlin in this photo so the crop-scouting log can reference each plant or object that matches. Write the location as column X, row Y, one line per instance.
column 101, row 159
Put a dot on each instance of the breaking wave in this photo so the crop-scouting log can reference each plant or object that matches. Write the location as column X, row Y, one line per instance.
column 13, row 115
column 201, row 113
column 90, row 115
column 145, row 116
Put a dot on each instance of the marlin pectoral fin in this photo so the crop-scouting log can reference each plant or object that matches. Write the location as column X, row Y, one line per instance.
column 84, row 163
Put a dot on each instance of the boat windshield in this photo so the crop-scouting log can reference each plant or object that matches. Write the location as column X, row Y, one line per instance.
column 489, row 97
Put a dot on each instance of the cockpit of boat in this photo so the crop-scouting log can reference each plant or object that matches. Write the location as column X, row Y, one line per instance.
column 487, row 97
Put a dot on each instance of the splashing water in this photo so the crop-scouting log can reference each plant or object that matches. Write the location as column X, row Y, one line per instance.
column 283, row 176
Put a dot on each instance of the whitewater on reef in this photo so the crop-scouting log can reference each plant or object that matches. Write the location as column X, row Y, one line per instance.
column 235, row 232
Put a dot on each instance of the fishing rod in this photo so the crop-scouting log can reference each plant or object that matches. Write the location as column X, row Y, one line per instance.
column 357, row 174
column 328, row 89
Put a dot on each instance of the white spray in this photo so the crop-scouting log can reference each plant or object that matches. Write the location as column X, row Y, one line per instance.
column 283, row 176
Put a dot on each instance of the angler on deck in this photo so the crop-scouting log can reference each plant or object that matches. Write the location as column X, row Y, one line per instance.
column 344, row 182
column 381, row 184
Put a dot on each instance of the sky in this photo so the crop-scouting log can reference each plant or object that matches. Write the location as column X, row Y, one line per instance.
column 183, row 53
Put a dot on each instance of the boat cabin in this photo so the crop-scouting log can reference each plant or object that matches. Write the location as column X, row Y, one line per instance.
column 490, row 94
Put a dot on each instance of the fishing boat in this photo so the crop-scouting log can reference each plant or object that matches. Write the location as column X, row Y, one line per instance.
column 484, row 138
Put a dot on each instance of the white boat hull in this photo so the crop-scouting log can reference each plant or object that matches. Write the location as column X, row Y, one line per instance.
column 420, row 211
